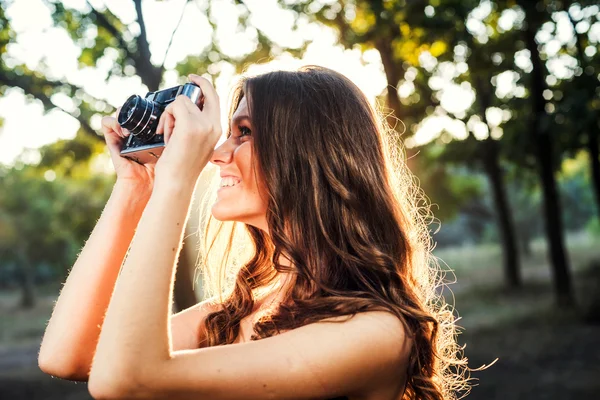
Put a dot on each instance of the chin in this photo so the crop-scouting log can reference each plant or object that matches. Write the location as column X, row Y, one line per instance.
column 225, row 214
column 222, row 216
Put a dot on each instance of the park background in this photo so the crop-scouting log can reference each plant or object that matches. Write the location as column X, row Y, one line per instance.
column 497, row 103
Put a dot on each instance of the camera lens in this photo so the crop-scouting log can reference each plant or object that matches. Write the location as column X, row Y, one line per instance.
column 140, row 117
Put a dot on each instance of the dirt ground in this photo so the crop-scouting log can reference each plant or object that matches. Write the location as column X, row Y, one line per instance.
column 535, row 361
column 542, row 353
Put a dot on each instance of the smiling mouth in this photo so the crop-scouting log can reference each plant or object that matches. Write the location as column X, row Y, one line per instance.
column 228, row 182
column 225, row 187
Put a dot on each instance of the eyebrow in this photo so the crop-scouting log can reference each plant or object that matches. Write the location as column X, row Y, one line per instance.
column 236, row 121
column 239, row 119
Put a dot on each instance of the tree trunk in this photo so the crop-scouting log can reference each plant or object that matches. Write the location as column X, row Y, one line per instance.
column 510, row 252
column 393, row 76
column 553, row 219
column 544, row 155
column 592, row 128
column 594, row 162
column 183, row 291
column 185, row 295
column 525, row 241
column 26, row 280
column 393, row 73
column 490, row 156
column 151, row 75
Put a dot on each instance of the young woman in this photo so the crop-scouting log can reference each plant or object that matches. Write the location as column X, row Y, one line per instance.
column 337, row 295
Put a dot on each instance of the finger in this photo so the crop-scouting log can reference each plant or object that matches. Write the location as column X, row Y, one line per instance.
column 186, row 103
column 114, row 150
column 113, row 141
column 212, row 106
column 110, row 126
column 161, row 123
column 211, row 98
column 118, row 128
column 169, row 125
column 208, row 118
column 113, row 144
column 177, row 108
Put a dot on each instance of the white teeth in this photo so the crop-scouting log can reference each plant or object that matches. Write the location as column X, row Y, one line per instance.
column 229, row 181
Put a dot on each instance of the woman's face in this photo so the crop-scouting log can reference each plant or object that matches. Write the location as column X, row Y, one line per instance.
column 240, row 197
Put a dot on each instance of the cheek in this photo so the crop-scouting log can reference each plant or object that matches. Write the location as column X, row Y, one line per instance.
column 243, row 159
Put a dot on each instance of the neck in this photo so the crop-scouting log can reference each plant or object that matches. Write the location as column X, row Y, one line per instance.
column 276, row 292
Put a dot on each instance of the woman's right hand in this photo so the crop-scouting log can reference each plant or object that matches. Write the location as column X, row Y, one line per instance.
column 127, row 170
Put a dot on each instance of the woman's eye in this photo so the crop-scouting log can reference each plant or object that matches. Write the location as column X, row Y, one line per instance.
column 244, row 131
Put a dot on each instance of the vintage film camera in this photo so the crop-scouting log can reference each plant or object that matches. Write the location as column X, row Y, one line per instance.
column 140, row 116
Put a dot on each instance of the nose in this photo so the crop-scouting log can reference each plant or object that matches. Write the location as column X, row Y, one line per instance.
column 222, row 154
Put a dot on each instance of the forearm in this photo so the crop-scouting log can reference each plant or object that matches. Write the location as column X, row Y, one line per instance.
column 72, row 333
column 135, row 332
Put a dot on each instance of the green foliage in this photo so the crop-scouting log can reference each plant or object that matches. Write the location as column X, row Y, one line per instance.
column 70, row 158
column 449, row 186
column 576, row 192
column 35, row 84
column 94, row 32
column 212, row 58
column 47, row 218
column 405, row 33
column 593, row 227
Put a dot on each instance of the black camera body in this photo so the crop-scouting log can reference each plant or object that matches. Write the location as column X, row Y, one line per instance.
column 140, row 116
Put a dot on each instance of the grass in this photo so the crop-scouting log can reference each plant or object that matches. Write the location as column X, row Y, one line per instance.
column 23, row 327
column 480, row 263
column 542, row 352
column 479, row 294
column 480, row 297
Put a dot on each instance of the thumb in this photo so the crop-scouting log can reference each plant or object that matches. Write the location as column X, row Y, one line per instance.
column 114, row 144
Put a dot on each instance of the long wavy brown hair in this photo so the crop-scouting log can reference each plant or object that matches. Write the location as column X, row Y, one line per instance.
column 346, row 212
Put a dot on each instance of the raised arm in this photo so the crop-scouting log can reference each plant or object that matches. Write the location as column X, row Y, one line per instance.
column 72, row 333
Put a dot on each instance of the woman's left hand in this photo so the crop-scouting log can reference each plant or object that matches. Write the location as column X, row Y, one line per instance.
column 190, row 136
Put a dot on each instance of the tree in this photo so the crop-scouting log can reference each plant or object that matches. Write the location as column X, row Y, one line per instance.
column 415, row 39
column 545, row 156
column 399, row 30
column 47, row 219
column 580, row 101
column 134, row 57
column 133, row 51
column 33, row 83
column 484, row 61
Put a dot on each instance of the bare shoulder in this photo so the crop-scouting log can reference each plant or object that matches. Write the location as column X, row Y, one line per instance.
column 185, row 325
column 381, row 323
column 374, row 345
column 360, row 356
column 205, row 306
column 395, row 340
column 387, row 328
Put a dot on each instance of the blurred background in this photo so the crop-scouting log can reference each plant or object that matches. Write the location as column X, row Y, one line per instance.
column 497, row 102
